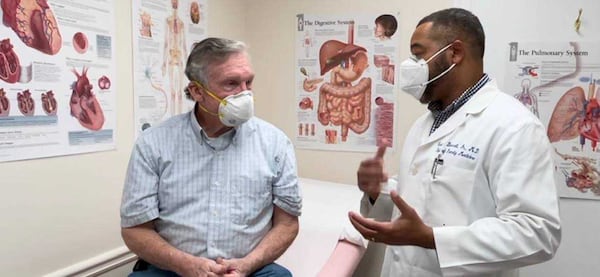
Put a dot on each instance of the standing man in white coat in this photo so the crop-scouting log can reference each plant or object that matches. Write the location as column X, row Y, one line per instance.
column 475, row 193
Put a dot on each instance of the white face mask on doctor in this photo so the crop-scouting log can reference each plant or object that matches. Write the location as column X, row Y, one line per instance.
column 415, row 72
column 234, row 109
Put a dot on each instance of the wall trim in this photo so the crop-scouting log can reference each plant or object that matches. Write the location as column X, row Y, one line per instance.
column 97, row 265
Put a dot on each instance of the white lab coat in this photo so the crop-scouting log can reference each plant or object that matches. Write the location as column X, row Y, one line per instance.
column 492, row 202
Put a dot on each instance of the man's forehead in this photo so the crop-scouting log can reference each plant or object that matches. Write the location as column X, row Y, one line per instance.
column 421, row 36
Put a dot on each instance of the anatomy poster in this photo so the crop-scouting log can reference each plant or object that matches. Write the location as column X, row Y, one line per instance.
column 345, row 81
column 163, row 34
column 560, row 83
column 57, row 78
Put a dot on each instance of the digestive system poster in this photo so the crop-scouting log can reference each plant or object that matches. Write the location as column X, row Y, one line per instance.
column 163, row 34
column 345, row 81
column 57, row 78
column 560, row 83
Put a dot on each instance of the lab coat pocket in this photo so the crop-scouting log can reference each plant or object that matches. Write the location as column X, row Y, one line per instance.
column 450, row 194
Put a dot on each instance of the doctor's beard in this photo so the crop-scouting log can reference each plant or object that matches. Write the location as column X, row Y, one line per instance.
column 439, row 66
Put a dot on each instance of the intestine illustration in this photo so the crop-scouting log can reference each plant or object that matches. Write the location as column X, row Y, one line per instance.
column 528, row 99
column 585, row 177
column 34, row 22
column 84, row 105
column 341, row 102
column 4, row 103
column 26, row 103
column 384, row 122
column 49, row 103
column 10, row 69
column 387, row 69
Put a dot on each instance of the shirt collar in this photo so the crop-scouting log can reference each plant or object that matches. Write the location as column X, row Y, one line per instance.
column 245, row 128
column 436, row 107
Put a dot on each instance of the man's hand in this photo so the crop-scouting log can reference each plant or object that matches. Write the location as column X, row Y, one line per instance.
column 371, row 174
column 234, row 267
column 408, row 229
column 202, row 267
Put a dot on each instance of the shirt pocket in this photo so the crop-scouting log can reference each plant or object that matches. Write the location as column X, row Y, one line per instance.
column 252, row 200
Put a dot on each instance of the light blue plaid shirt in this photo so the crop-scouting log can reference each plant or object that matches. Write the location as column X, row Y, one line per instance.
column 210, row 201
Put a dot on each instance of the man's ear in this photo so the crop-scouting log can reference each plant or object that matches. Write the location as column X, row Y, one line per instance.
column 195, row 92
column 458, row 51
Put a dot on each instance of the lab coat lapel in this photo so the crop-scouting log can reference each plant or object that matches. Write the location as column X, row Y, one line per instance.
column 479, row 101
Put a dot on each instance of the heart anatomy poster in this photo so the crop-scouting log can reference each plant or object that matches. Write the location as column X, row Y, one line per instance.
column 560, row 83
column 163, row 34
column 345, row 81
column 57, row 78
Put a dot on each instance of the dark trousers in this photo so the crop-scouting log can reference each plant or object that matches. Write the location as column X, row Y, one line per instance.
column 144, row 269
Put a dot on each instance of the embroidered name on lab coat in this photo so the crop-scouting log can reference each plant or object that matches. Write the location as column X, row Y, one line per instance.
column 459, row 150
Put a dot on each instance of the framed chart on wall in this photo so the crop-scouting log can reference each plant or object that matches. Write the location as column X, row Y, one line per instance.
column 57, row 78
column 345, row 81
column 163, row 35
column 550, row 61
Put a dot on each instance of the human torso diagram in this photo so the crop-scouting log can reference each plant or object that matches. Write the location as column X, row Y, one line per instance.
column 345, row 86
column 174, row 57
column 345, row 100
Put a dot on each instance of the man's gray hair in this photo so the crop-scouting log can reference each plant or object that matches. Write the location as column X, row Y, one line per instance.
column 208, row 52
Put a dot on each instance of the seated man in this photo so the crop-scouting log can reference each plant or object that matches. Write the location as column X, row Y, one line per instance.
column 212, row 192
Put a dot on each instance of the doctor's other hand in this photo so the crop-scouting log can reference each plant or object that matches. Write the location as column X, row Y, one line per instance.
column 407, row 229
column 371, row 174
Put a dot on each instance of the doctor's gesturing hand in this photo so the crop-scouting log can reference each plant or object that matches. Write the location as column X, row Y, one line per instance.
column 407, row 229
column 371, row 174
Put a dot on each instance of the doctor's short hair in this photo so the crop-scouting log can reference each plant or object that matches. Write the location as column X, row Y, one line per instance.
column 208, row 52
column 456, row 23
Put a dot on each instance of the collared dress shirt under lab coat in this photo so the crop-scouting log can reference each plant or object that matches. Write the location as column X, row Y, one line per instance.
column 492, row 202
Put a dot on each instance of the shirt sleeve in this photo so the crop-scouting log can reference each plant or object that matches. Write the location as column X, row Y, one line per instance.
column 286, row 191
column 140, row 201
column 527, row 227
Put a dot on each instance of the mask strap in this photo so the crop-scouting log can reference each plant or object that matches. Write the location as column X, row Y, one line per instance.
column 438, row 52
column 440, row 75
column 209, row 112
column 211, row 93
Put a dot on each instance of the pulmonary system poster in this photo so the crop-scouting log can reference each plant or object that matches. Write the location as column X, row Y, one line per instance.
column 57, row 78
column 345, row 81
column 164, row 32
column 560, row 83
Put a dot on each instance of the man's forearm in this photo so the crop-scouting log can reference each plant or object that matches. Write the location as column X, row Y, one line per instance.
column 277, row 240
column 151, row 247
